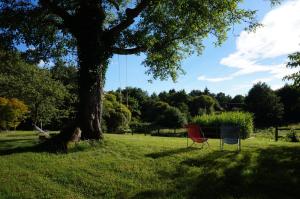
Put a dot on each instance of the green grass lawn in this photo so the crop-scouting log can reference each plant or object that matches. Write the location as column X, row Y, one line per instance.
column 138, row 166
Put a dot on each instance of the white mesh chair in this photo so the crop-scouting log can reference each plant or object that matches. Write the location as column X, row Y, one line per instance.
column 230, row 135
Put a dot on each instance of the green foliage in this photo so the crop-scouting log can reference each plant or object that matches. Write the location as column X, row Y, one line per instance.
column 136, row 99
column 292, row 136
column 294, row 63
column 92, row 32
column 116, row 116
column 265, row 105
column 223, row 100
column 171, row 117
column 66, row 75
column 31, row 84
column 178, row 99
column 290, row 97
column 203, row 104
column 161, row 115
column 12, row 112
column 166, row 31
column 139, row 127
column 243, row 120
column 240, row 99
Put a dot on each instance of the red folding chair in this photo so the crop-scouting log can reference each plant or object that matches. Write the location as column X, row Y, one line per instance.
column 196, row 134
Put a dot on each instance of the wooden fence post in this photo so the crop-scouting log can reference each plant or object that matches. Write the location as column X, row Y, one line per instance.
column 276, row 133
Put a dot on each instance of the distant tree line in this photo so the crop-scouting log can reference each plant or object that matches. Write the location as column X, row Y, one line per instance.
column 50, row 93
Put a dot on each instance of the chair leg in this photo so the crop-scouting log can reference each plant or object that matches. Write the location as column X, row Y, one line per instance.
column 192, row 144
column 207, row 144
column 202, row 145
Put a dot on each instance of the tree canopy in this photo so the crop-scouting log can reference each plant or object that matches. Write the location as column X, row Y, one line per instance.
column 12, row 113
column 266, row 106
column 32, row 85
column 160, row 29
column 165, row 31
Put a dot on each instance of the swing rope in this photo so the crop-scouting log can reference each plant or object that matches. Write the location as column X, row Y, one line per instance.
column 126, row 81
column 120, row 83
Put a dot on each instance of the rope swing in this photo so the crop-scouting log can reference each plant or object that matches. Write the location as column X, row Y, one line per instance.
column 120, row 85
column 126, row 80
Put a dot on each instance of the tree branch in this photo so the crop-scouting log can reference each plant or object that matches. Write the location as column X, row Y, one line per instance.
column 53, row 7
column 130, row 15
column 114, row 3
column 128, row 51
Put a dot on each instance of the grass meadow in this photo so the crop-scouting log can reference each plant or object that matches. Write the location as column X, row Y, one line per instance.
column 138, row 166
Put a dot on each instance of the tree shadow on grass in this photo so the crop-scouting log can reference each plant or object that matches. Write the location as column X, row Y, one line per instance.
column 15, row 150
column 150, row 194
column 14, row 146
column 262, row 173
column 171, row 152
column 17, row 145
column 4, row 141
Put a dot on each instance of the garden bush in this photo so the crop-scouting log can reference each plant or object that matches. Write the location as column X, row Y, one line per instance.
column 12, row 113
column 141, row 127
column 242, row 119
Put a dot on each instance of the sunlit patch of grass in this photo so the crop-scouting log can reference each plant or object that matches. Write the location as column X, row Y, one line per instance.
column 138, row 166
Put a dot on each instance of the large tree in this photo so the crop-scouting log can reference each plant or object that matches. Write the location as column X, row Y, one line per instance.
column 265, row 105
column 33, row 85
column 290, row 97
column 166, row 31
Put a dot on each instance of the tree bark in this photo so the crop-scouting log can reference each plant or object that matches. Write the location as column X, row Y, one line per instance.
column 91, row 69
column 93, row 55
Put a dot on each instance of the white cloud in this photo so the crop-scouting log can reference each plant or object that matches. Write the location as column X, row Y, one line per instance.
column 204, row 78
column 279, row 36
column 276, row 86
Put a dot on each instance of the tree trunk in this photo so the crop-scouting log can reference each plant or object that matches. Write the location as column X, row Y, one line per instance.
column 91, row 69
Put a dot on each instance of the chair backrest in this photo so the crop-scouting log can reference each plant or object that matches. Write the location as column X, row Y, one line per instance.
column 194, row 132
column 230, row 134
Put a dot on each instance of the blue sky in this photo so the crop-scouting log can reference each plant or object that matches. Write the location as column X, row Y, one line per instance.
column 244, row 59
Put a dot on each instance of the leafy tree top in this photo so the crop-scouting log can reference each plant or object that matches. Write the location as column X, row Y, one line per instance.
column 165, row 31
column 294, row 62
column 31, row 84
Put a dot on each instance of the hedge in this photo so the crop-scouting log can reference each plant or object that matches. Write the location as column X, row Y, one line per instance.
column 244, row 120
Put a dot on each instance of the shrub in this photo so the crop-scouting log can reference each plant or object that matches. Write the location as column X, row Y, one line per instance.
column 12, row 112
column 141, row 127
column 291, row 136
column 242, row 119
column 116, row 116
column 171, row 117
column 202, row 104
